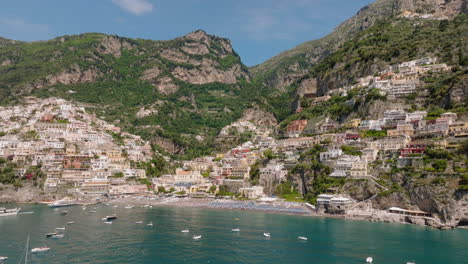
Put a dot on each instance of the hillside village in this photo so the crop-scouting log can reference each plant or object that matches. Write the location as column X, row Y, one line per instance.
column 67, row 151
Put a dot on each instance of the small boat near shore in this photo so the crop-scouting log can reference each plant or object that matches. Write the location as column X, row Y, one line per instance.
column 40, row 249
column 2, row 258
column 267, row 235
column 185, row 231
column 197, row 237
column 64, row 212
column 110, row 217
column 235, row 230
column 150, row 224
column 7, row 212
column 50, row 234
column 70, row 223
column 139, row 222
column 60, row 228
column 108, row 222
column 369, row 260
column 128, row 207
column 58, row 236
column 302, row 238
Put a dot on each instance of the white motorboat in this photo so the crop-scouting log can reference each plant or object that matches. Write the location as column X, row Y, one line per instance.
column 2, row 258
column 39, row 249
column 62, row 203
column 139, row 222
column 108, row 222
column 197, row 237
column 267, row 235
column 6, row 212
column 92, row 211
column 128, row 207
column 302, row 238
column 369, row 260
column 60, row 228
column 150, row 224
column 185, row 231
column 58, row 236
column 235, row 230
column 115, row 206
column 71, row 222
column 410, row 262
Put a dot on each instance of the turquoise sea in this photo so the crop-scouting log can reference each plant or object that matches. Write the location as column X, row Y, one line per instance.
column 90, row 240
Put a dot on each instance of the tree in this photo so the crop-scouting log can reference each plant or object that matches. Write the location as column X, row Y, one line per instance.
column 212, row 189
column 269, row 154
column 161, row 189
column 440, row 165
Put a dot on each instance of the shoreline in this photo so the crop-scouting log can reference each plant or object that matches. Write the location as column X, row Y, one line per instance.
column 278, row 208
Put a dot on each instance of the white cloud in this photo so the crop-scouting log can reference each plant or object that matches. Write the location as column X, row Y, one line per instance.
column 136, row 7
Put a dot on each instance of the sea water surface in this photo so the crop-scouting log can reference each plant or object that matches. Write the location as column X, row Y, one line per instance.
column 90, row 240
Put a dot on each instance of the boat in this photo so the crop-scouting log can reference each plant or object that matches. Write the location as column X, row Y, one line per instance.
column 139, row 222
column 6, row 212
column 92, row 211
column 302, row 238
column 185, row 231
column 128, row 207
column 410, row 262
column 58, row 236
column 110, row 217
column 115, row 206
column 71, row 222
column 60, row 228
column 2, row 258
column 197, row 237
column 369, row 260
column 50, row 234
column 39, row 249
column 150, row 224
column 235, row 230
column 62, row 203
column 64, row 212
column 266, row 235
column 108, row 222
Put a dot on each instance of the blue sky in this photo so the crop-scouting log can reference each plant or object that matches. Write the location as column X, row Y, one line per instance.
column 258, row 29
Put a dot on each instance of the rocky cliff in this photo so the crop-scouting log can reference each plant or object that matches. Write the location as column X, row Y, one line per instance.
column 292, row 65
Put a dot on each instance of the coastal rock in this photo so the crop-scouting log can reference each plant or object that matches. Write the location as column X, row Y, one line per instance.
column 165, row 85
column 73, row 75
column 6, row 62
column 208, row 75
column 151, row 74
column 113, row 46
column 253, row 120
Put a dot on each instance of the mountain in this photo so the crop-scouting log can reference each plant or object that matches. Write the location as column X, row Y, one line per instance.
column 291, row 65
column 180, row 92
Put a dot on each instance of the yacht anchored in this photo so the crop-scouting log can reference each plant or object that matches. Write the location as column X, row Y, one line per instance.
column 266, row 235
column 39, row 249
column 197, row 237
column 302, row 238
column 62, row 203
column 6, row 212
column 235, row 230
